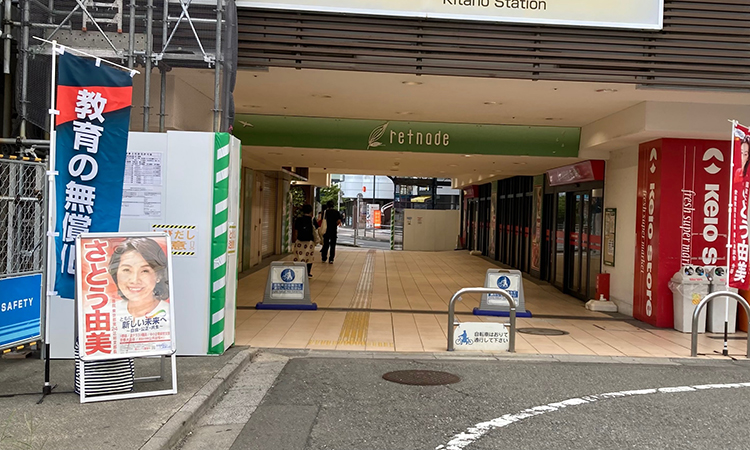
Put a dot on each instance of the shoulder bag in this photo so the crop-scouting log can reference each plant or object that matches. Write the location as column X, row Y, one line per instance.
column 323, row 224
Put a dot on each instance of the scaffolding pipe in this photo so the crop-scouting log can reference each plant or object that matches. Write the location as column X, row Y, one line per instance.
column 8, row 87
column 217, row 66
column 46, row 25
column 149, row 53
column 163, row 98
column 25, row 68
column 49, row 9
column 191, row 19
column 131, row 36
column 24, row 142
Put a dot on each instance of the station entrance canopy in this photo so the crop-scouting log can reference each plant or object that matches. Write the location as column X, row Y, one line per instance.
column 401, row 148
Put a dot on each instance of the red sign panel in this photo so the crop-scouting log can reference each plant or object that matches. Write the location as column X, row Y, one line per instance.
column 738, row 261
column 681, row 218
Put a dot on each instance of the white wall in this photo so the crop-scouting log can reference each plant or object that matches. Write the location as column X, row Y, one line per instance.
column 620, row 191
column 430, row 229
column 351, row 185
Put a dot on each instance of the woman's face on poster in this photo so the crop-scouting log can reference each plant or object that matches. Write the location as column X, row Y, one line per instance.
column 745, row 152
column 136, row 279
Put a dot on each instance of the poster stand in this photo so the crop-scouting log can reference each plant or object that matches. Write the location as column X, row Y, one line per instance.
column 495, row 305
column 287, row 287
column 102, row 398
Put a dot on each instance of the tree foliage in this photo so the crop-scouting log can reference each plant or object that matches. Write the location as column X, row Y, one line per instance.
column 298, row 200
column 329, row 193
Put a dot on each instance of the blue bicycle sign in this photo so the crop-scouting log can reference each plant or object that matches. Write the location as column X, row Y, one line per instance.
column 463, row 339
column 287, row 275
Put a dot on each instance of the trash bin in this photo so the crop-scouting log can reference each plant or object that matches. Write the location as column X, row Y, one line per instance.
column 717, row 308
column 688, row 287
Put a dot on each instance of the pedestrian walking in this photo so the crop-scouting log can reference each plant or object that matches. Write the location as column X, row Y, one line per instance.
column 332, row 220
column 303, row 236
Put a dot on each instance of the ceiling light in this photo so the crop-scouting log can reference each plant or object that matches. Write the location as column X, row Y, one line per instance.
column 452, row 165
column 606, row 90
column 411, row 83
column 520, row 163
column 403, row 113
column 467, row 156
column 551, row 118
column 492, row 103
column 321, row 96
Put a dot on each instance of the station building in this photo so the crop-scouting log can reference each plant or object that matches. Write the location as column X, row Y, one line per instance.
column 585, row 139
column 569, row 133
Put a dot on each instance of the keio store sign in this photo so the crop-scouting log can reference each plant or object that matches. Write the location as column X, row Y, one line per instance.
column 681, row 218
column 643, row 14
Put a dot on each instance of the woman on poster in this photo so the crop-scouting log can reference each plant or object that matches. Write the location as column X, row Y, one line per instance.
column 740, row 174
column 139, row 269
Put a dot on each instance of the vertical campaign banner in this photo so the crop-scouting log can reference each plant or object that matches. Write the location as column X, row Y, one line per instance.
column 125, row 305
column 93, row 104
column 738, row 244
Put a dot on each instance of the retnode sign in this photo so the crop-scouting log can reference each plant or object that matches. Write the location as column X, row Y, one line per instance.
column 682, row 218
column 640, row 14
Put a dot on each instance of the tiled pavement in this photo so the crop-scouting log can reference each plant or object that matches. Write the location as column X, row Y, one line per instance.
column 375, row 300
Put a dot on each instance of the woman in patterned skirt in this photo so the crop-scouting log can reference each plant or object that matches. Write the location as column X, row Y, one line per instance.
column 304, row 238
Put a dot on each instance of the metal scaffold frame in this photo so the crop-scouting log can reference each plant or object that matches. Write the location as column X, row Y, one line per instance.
column 119, row 32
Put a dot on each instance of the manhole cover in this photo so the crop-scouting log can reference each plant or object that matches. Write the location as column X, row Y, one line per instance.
column 542, row 331
column 421, row 377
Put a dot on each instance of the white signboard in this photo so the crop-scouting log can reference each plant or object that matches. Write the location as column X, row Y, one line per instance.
column 142, row 185
column 508, row 282
column 288, row 282
column 638, row 14
column 481, row 336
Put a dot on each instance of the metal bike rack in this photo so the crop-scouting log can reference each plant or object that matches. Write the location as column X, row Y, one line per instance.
column 482, row 290
column 702, row 304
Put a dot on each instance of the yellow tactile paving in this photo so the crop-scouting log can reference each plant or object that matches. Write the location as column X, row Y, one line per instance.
column 374, row 292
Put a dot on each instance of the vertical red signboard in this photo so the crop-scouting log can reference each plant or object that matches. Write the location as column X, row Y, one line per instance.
column 738, row 261
column 681, row 218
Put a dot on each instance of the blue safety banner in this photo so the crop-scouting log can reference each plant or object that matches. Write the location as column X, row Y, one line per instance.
column 20, row 309
column 93, row 104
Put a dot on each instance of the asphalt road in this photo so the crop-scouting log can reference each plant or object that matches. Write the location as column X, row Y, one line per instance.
column 344, row 403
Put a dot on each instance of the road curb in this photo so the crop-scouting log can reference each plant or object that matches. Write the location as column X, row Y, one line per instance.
column 181, row 422
column 519, row 357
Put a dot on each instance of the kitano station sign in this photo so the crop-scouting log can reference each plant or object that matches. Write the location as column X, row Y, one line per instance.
column 638, row 14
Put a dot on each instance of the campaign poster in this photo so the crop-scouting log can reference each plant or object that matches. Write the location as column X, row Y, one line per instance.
column 738, row 243
column 124, row 298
